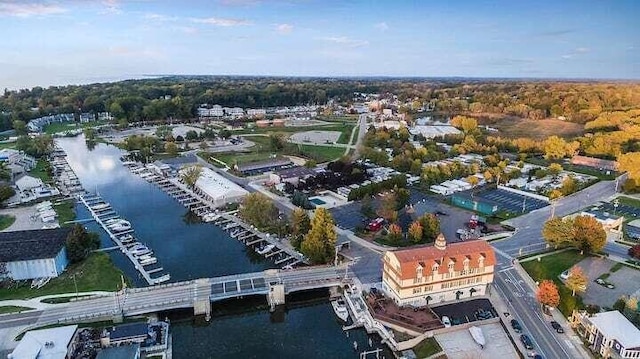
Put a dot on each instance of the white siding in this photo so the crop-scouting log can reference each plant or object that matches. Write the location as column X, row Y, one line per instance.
column 36, row 268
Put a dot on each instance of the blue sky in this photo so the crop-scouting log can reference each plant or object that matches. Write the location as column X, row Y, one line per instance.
column 78, row 41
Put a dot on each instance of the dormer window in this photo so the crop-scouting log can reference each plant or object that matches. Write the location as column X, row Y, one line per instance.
column 434, row 268
column 419, row 272
column 450, row 266
column 481, row 261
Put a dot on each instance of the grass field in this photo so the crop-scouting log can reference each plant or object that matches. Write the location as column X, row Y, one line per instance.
column 58, row 127
column 514, row 128
column 66, row 212
column 427, row 348
column 628, row 201
column 97, row 272
column 12, row 309
column 550, row 267
column 344, row 129
column 41, row 170
column 6, row 221
column 7, row 145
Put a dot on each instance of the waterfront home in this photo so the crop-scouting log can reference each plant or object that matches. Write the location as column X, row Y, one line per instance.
column 609, row 334
column 34, row 254
column 438, row 273
column 217, row 189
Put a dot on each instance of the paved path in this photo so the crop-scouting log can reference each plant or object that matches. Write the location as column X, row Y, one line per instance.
column 36, row 303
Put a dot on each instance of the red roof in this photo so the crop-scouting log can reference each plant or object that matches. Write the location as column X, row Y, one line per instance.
column 594, row 162
column 427, row 256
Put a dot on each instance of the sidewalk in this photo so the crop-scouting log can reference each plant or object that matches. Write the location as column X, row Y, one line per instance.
column 36, row 303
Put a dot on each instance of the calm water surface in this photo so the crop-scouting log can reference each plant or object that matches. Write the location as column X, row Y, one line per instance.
column 188, row 251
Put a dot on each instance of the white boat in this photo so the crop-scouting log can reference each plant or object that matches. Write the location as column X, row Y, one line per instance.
column 100, row 206
column 476, row 334
column 44, row 204
column 120, row 226
column 210, row 217
column 149, row 261
column 51, row 226
column 340, row 308
column 141, row 252
column 266, row 249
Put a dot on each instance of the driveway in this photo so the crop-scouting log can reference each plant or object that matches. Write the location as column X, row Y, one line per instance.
column 26, row 218
column 626, row 280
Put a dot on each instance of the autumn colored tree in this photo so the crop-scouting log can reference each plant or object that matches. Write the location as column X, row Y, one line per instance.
column 554, row 147
column 588, row 234
column 548, row 294
column 415, row 232
column 554, row 194
column 554, row 169
column 558, row 232
column 258, row 210
column 171, row 148
column 387, row 209
column 395, row 233
column 630, row 163
column 319, row 244
column 576, row 281
column 466, row 124
column 300, row 226
column 569, row 186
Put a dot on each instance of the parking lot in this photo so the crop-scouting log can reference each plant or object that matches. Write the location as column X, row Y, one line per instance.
column 465, row 312
column 625, row 280
column 621, row 210
column 511, row 202
column 460, row 345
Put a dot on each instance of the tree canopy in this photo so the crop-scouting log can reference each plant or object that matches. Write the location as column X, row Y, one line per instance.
column 548, row 294
column 319, row 243
column 258, row 210
column 80, row 243
column 582, row 232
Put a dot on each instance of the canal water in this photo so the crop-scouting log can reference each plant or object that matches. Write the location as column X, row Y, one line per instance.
column 307, row 328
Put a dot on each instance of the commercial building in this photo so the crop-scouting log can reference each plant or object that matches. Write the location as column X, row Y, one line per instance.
column 256, row 168
column 291, row 175
column 149, row 337
column 218, row 189
column 34, row 254
column 609, row 221
column 595, row 163
column 17, row 161
column 53, row 343
column 610, row 334
column 434, row 131
column 438, row 273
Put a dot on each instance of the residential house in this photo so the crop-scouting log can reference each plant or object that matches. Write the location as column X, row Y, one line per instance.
column 609, row 334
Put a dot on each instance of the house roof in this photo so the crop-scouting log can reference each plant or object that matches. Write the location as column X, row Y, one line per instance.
column 594, row 162
column 35, row 244
column 455, row 253
column 128, row 330
column 28, row 182
column 49, row 343
column 616, row 326
column 264, row 164
column 295, row 172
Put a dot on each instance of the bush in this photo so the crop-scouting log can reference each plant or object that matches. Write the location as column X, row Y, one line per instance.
column 6, row 192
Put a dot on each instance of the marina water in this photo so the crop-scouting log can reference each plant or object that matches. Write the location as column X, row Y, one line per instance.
column 186, row 249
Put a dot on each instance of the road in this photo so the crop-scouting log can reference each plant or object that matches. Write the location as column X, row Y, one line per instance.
column 528, row 240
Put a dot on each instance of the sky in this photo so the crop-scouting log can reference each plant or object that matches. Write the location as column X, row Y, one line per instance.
column 57, row 42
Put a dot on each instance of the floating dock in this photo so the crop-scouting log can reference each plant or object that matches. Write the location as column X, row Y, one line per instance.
column 139, row 255
column 280, row 253
column 65, row 177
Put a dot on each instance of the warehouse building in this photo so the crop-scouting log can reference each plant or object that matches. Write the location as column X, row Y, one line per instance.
column 34, row 254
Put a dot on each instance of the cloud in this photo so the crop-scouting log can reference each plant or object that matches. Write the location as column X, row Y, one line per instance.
column 576, row 52
column 555, row 33
column 224, row 22
column 187, row 29
column 382, row 26
column 28, row 9
column 567, row 56
column 111, row 7
column 159, row 17
column 343, row 40
column 582, row 50
column 284, row 28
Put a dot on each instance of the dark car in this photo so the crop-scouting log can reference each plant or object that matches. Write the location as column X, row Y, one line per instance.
column 441, row 213
column 526, row 341
column 516, row 326
column 558, row 328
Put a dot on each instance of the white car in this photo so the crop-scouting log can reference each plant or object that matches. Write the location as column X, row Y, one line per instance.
column 446, row 321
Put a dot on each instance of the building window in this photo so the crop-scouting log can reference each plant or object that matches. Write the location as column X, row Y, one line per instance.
column 417, row 290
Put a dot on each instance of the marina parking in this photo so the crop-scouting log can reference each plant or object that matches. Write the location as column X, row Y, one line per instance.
column 466, row 312
column 511, row 202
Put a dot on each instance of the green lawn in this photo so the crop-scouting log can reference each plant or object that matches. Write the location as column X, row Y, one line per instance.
column 6, row 221
column 57, row 127
column 41, row 170
column 427, row 348
column 550, row 267
column 66, row 212
column 12, row 309
column 633, row 202
column 95, row 273
column 4, row 145
column 321, row 153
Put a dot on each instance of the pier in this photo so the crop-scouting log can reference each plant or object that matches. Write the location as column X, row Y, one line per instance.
column 121, row 233
column 65, row 177
column 270, row 247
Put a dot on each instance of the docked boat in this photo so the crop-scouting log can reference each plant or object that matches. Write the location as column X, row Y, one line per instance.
column 266, row 249
column 99, row 207
column 141, row 252
column 478, row 337
column 149, row 261
column 210, row 217
column 120, row 225
column 340, row 308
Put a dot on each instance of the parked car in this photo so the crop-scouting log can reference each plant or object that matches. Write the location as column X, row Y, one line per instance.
column 564, row 275
column 516, row 326
column 557, row 327
column 526, row 341
column 441, row 213
column 446, row 321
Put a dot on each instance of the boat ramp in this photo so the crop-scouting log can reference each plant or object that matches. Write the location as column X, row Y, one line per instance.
column 121, row 232
column 271, row 247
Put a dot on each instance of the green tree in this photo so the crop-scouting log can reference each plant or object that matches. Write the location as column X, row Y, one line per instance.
column 20, row 127
column 576, row 281
column 430, row 227
column 6, row 192
column 80, row 243
column 558, row 232
column 5, row 172
column 319, row 244
column 190, row 175
column 300, row 226
column 277, row 141
column 588, row 234
column 171, row 148
column 191, row 135
column 258, row 210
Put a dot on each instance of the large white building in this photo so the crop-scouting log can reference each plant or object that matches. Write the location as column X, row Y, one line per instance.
column 34, row 254
column 218, row 189
column 52, row 343
column 438, row 273
column 610, row 334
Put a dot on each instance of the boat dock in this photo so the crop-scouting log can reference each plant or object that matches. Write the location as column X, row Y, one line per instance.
column 265, row 245
column 121, row 233
column 65, row 177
